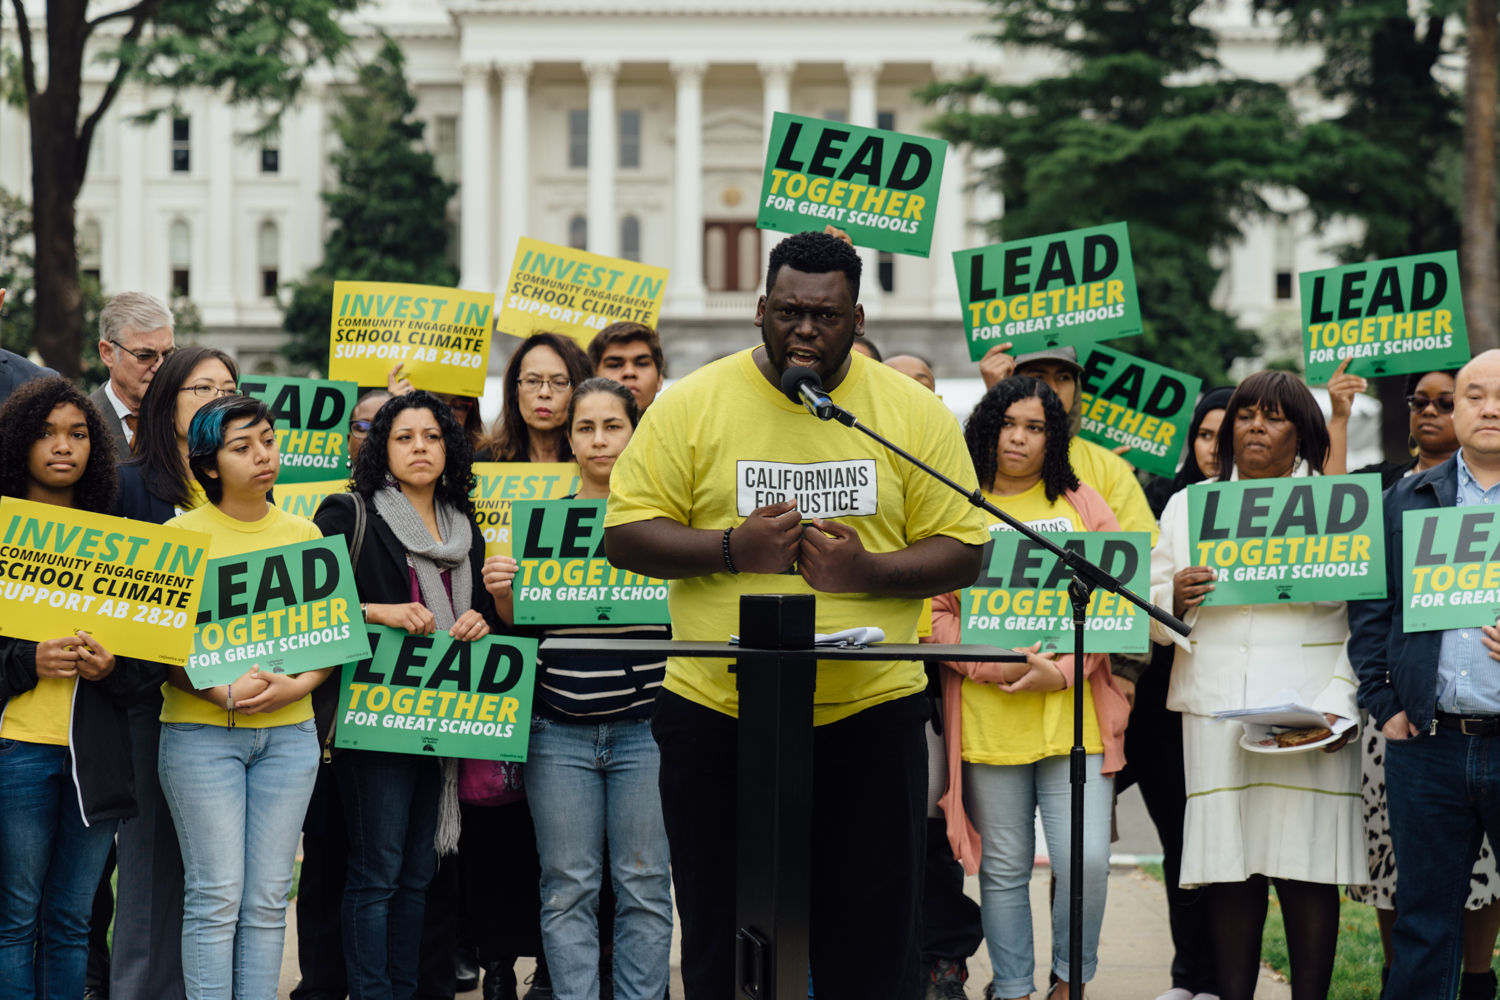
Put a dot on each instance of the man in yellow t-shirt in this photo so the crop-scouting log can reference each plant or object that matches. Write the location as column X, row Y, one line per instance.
column 715, row 493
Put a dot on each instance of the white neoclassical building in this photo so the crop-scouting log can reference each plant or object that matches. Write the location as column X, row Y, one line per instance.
column 635, row 128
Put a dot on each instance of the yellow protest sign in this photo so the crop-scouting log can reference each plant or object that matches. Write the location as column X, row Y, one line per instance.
column 303, row 499
column 441, row 336
column 557, row 289
column 498, row 484
column 132, row 585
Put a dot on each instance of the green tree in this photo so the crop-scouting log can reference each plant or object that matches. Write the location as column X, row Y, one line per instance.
column 1142, row 125
column 254, row 53
column 1392, row 157
column 388, row 209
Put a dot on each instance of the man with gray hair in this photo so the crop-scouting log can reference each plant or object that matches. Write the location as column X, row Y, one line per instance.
column 135, row 336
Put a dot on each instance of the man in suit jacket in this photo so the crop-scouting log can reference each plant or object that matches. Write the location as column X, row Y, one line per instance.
column 14, row 370
column 1436, row 697
column 135, row 335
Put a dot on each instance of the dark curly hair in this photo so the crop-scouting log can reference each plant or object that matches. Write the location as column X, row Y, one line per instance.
column 509, row 439
column 815, row 253
column 1283, row 393
column 372, row 468
column 982, row 432
column 21, row 421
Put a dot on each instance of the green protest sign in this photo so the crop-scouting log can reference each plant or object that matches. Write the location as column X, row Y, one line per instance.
column 285, row 609
column 1450, row 568
column 497, row 485
column 1131, row 401
column 880, row 187
column 434, row 694
column 1021, row 597
column 1299, row 538
column 312, row 418
column 563, row 577
column 1405, row 314
column 1061, row 290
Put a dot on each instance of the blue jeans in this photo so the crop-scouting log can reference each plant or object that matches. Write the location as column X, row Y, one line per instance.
column 50, row 865
column 1002, row 802
column 391, row 809
column 237, row 797
column 1443, row 795
column 583, row 782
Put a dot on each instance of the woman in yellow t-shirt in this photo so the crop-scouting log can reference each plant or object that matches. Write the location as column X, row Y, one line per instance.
column 1010, row 725
column 237, row 761
column 65, row 780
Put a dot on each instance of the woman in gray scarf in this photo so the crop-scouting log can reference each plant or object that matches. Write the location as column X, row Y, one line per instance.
column 419, row 569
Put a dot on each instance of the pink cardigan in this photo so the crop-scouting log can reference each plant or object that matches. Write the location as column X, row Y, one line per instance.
column 1110, row 705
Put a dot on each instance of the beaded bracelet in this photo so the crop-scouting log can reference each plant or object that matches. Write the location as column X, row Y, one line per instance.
column 728, row 559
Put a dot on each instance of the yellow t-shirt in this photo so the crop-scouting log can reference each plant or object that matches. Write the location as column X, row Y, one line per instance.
column 231, row 537
column 1021, row 728
column 41, row 715
column 1113, row 478
column 724, row 442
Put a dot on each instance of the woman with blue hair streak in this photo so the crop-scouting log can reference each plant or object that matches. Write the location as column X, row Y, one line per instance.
column 237, row 761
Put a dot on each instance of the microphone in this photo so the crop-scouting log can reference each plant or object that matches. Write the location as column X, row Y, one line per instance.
column 802, row 385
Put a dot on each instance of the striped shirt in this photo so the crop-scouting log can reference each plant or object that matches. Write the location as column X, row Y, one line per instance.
column 599, row 687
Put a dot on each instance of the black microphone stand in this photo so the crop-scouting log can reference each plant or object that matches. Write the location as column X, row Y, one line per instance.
column 1087, row 577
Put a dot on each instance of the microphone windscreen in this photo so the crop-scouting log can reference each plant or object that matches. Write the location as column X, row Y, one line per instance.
column 794, row 378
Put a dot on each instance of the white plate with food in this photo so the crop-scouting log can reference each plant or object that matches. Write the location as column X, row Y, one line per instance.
column 1283, row 739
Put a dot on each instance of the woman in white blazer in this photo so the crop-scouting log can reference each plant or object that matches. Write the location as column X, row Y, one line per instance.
column 1292, row 818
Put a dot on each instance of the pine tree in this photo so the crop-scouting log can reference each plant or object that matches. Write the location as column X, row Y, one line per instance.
column 387, row 210
column 1144, row 126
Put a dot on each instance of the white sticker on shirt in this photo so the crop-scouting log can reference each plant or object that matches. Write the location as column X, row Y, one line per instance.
column 1046, row 524
column 820, row 489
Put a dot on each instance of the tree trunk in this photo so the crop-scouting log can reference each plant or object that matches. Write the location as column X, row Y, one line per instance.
column 1480, row 257
column 56, row 176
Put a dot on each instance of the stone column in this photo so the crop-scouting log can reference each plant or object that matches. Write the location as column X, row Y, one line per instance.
column 687, row 270
column 307, row 228
column 776, row 77
column 863, row 74
column 477, row 268
column 130, row 237
column 515, row 164
column 213, row 287
column 603, row 227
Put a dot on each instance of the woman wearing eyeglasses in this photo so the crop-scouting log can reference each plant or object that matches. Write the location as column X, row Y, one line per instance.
column 155, row 486
column 1429, row 397
column 539, row 383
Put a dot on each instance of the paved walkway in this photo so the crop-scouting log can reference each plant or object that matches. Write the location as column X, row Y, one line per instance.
column 1135, row 946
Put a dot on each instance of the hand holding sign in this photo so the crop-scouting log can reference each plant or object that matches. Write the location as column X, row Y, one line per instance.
column 499, row 576
column 396, row 383
column 996, row 366
column 94, row 661
column 57, row 658
column 768, row 540
column 470, row 626
column 1189, row 587
column 1342, row 388
column 1042, row 673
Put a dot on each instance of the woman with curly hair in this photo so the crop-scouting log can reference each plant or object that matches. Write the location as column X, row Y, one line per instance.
column 420, row 568
column 65, row 773
column 539, row 382
column 1009, row 726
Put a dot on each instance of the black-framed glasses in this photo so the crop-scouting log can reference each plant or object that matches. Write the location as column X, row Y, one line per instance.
column 1443, row 404
column 360, row 427
column 207, row 391
column 147, row 357
column 531, row 383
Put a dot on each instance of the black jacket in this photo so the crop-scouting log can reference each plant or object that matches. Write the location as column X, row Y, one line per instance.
column 137, row 502
column 98, row 735
column 1398, row 669
column 381, row 576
